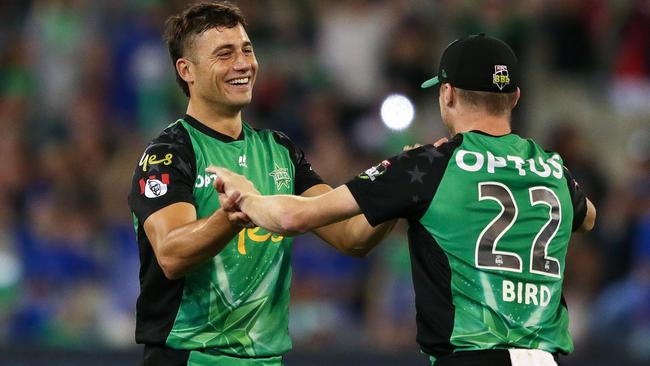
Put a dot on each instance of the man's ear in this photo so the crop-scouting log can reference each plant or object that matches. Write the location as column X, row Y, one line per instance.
column 184, row 68
column 448, row 94
column 517, row 96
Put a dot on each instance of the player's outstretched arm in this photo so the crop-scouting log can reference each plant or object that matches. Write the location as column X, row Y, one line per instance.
column 286, row 214
column 181, row 242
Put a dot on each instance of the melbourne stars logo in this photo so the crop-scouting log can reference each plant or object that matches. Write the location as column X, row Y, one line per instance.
column 281, row 177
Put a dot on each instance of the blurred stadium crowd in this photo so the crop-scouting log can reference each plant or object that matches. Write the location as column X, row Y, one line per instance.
column 85, row 84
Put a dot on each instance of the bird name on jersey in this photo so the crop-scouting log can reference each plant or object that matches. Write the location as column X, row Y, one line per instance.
column 526, row 293
column 473, row 161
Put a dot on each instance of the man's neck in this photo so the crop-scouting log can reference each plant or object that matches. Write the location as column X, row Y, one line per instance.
column 490, row 124
column 222, row 120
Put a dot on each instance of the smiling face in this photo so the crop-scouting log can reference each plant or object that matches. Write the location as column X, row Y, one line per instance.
column 220, row 67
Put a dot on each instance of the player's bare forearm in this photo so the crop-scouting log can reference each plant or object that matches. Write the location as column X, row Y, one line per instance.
column 320, row 209
column 180, row 244
column 353, row 236
column 290, row 215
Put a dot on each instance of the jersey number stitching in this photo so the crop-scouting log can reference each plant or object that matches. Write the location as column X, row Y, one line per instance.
column 486, row 255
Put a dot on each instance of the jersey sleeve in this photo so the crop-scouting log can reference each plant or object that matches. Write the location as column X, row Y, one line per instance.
column 305, row 177
column 400, row 187
column 578, row 199
column 165, row 175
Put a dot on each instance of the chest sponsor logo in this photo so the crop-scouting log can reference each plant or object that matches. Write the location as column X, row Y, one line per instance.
column 500, row 78
column 242, row 161
column 256, row 235
column 146, row 160
column 375, row 171
column 205, row 180
column 281, row 177
column 154, row 186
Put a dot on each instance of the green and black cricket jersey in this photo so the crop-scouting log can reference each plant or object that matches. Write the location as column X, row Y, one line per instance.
column 489, row 224
column 236, row 303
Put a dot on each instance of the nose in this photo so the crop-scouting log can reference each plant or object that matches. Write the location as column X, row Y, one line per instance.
column 241, row 62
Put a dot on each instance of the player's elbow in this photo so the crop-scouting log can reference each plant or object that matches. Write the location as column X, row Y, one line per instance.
column 171, row 268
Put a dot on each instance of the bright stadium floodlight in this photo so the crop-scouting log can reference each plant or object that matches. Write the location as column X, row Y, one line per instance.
column 397, row 112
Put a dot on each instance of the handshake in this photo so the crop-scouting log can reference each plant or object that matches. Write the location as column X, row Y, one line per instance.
column 233, row 189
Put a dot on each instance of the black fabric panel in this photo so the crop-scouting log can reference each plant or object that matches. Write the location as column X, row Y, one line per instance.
column 404, row 185
column 159, row 299
column 492, row 357
column 156, row 355
column 578, row 199
column 305, row 177
column 432, row 283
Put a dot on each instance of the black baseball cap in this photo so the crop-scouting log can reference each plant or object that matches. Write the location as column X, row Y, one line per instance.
column 480, row 63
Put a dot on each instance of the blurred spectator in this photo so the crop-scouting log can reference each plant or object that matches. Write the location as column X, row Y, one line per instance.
column 571, row 143
column 631, row 76
column 351, row 37
column 390, row 313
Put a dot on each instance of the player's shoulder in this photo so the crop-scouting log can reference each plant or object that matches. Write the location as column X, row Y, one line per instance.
column 174, row 138
column 279, row 138
column 433, row 153
column 171, row 148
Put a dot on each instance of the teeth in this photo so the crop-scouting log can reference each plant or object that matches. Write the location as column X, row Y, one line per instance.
column 239, row 81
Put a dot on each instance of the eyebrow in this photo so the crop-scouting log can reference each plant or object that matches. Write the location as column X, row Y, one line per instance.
column 230, row 46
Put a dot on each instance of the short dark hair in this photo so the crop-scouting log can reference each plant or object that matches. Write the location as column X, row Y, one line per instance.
column 496, row 104
column 180, row 29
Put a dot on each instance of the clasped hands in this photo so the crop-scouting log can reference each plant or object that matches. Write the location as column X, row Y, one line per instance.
column 231, row 188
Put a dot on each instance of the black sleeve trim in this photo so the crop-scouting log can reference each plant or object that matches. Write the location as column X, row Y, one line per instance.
column 578, row 199
column 305, row 177
column 167, row 178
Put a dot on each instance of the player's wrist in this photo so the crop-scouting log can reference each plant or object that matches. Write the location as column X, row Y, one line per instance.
column 244, row 201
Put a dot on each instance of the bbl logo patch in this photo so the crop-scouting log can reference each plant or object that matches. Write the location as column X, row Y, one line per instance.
column 500, row 78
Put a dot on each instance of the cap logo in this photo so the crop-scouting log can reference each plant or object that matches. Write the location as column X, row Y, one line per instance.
column 500, row 78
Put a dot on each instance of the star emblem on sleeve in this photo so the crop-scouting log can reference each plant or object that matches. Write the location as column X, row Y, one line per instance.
column 416, row 175
column 430, row 153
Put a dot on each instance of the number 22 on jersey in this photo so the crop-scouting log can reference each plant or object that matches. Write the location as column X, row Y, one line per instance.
column 487, row 256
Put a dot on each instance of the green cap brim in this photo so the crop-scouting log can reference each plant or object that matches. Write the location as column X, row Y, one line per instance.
column 429, row 83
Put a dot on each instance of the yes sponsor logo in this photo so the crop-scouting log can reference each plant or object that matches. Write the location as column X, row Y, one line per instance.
column 146, row 160
column 154, row 186
column 256, row 235
column 375, row 171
